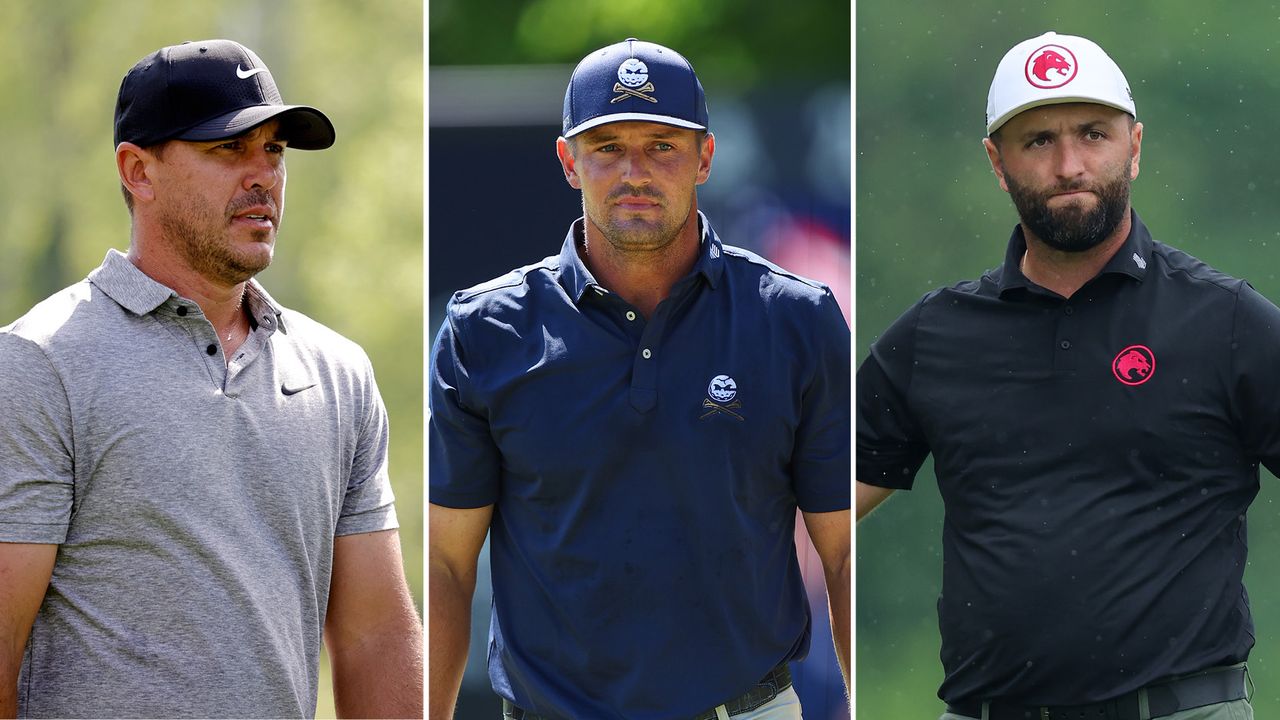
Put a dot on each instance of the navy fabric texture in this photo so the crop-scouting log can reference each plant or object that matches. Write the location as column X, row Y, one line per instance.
column 646, row 475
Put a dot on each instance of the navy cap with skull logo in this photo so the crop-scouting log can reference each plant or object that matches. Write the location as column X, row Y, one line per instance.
column 634, row 80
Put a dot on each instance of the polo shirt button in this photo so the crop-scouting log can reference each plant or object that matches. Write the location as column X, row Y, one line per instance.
column 646, row 354
column 212, row 349
column 1065, row 344
column 1069, row 310
column 631, row 315
column 182, row 310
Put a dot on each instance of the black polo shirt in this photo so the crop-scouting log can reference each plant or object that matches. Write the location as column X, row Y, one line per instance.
column 1095, row 455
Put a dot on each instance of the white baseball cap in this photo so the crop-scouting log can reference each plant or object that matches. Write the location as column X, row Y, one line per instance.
column 1053, row 69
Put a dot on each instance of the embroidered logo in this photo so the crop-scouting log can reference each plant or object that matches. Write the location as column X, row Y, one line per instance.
column 633, row 81
column 286, row 390
column 721, row 394
column 1134, row 365
column 1137, row 260
column 246, row 74
column 1052, row 66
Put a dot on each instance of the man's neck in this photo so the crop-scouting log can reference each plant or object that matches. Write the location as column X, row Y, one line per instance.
column 1066, row 272
column 642, row 279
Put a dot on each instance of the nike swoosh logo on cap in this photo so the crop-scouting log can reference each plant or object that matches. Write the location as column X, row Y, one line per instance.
column 246, row 74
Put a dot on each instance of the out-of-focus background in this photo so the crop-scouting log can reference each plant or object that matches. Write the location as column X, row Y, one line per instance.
column 776, row 77
column 1206, row 79
column 349, row 252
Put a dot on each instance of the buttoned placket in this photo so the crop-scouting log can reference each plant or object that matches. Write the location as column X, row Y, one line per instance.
column 226, row 375
column 646, row 337
column 1064, row 354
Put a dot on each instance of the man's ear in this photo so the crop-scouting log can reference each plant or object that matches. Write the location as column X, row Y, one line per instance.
column 134, row 164
column 997, row 165
column 704, row 159
column 567, row 163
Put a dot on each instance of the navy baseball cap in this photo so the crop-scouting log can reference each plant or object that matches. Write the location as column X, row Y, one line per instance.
column 209, row 90
column 634, row 80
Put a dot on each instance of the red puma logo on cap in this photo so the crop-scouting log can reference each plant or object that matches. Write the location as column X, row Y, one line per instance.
column 1051, row 66
column 1049, row 60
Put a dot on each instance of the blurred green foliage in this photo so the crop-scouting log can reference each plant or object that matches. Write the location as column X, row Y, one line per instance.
column 350, row 249
column 737, row 43
column 1206, row 79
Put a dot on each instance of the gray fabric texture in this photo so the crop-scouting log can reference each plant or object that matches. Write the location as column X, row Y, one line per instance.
column 195, row 502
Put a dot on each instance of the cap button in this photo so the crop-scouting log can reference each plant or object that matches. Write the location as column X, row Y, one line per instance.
column 630, row 40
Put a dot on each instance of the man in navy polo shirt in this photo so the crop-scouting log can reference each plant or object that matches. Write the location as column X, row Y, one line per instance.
column 1097, row 408
column 634, row 421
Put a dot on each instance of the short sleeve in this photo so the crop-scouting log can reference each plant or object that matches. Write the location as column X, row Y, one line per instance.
column 464, row 462
column 37, row 476
column 1255, row 393
column 821, row 462
column 891, row 447
column 369, row 504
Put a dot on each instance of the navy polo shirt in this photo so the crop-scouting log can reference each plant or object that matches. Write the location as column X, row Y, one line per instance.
column 645, row 475
column 1095, row 455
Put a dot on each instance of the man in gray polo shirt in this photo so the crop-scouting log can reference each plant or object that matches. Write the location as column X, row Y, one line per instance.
column 193, row 479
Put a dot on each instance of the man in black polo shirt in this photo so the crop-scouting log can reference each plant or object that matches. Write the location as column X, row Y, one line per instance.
column 1097, row 408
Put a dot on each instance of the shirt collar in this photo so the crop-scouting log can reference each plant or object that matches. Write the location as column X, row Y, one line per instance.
column 576, row 279
column 1132, row 258
column 136, row 292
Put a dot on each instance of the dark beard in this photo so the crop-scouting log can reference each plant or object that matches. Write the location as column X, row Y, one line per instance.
column 1072, row 228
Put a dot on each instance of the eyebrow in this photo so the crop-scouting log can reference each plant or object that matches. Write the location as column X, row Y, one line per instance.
column 1047, row 132
column 602, row 136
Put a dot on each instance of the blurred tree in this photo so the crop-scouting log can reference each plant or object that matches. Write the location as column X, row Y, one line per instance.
column 350, row 249
column 929, row 213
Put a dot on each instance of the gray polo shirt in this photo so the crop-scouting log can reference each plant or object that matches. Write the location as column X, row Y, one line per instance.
column 195, row 502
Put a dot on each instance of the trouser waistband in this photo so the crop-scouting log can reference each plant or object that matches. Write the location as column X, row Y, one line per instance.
column 768, row 688
column 1215, row 685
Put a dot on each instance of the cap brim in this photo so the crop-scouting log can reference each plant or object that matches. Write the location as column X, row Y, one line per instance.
column 302, row 126
column 638, row 117
column 1009, row 115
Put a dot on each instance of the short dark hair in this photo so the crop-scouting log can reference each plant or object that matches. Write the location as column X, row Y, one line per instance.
column 158, row 151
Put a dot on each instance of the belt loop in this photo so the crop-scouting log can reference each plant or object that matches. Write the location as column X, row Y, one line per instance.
column 986, row 711
column 722, row 713
column 1144, row 704
column 1248, row 683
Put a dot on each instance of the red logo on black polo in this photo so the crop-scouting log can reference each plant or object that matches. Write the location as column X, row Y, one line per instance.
column 1051, row 66
column 1134, row 365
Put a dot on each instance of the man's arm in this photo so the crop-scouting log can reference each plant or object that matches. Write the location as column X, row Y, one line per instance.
column 868, row 497
column 25, row 570
column 453, row 548
column 372, row 630
column 829, row 532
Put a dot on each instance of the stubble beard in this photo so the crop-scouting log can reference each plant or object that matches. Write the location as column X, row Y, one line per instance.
column 1073, row 228
column 636, row 236
column 202, row 237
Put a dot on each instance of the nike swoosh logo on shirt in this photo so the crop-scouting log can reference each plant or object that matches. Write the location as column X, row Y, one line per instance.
column 286, row 390
column 246, row 74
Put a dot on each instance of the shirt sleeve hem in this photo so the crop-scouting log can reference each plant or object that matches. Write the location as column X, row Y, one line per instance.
column 38, row 533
